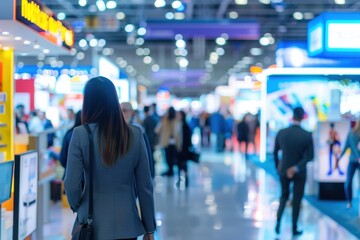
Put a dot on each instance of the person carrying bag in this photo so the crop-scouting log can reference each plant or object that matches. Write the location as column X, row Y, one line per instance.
column 108, row 170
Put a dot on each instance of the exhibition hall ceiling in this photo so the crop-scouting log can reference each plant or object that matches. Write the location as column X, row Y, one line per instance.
column 190, row 46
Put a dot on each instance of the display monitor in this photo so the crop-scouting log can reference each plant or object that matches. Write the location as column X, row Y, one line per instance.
column 25, row 194
column 6, row 175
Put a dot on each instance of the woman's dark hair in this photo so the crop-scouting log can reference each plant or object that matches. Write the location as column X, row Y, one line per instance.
column 171, row 113
column 101, row 106
column 77, row 119
column 183, row 116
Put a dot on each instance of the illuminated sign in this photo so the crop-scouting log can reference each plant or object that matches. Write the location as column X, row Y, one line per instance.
column 334, row 35
column 38, row 17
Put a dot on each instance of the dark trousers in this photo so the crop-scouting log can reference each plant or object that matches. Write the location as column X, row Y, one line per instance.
column 170, row 154
column 349, row 178
column 182, row 161
column 128, row 239
column 298, row 193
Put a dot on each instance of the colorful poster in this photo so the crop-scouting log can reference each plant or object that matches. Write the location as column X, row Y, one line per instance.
column 26, row 185
column 330, row 139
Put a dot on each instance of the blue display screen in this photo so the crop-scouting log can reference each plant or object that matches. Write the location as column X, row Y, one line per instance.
column 6, row 174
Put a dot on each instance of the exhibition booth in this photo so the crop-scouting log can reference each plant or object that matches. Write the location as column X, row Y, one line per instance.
column 27, row 28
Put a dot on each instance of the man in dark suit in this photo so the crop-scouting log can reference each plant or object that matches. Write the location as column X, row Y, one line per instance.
column 297, row 149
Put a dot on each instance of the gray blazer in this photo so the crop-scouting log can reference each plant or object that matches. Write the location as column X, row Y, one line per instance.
column 115, row 211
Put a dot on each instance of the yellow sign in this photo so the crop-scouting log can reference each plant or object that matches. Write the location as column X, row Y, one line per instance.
column 32, row 12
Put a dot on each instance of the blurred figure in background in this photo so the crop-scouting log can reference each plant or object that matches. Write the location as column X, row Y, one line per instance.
column 229, row 126
column 20, row 121
column 183, row 146
column 252, row 124
column 128, row 113
column 154, row 113
column 66, row 141
column 217, row 126
column 168, row 134
column 243, row 134
column 351, row 143
column 204, row 129
column 47, row 125
column 149, row 125
column 35, row 124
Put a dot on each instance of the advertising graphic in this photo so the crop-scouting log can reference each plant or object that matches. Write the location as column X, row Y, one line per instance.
column 330, row 140
column 6, row 174
column 25, row 195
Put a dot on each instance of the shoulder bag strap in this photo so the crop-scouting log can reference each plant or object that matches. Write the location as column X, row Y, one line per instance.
column 91, row 162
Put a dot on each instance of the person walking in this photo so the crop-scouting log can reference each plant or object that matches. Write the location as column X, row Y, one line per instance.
column 297, row 149
column 183, row 145
column 243, row 134
column 120, row 166
column 217, row 126
column 352, row 141
column 168, row 134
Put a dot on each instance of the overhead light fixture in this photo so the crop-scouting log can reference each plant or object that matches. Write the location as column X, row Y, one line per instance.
column 179, row 16
column 36, row 46
column 101, row 5
column 61, row 16
column 180, row 43
column 82, row 43
column 183, row 62
column 160, row 3
column 241, row 2
column 139, row 51
column 129, row 28
column 111, row 4
column 5, row 33
column 139, row 41
column 46, row 51
column 17, row 38
column 265, row 1
column 80, row 56
column 146, row 51
column 93, row 42
column 298, row 16
column 82, row 3
column 27, row 42
column 233, row 15
column 101, row 43
column 120, row 16
column 340, row 2
column 155, row 68
column 141, row 31
column 256, row 51
column 220, row 41
column 147, row 59
column 169, row 15
column 220, row 51
column 176, row 4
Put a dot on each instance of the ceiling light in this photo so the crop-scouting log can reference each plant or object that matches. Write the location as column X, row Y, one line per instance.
column 225, row 36
column 264, row 41
column 155, row 68
column 27, row 42
column 130, row 68
column 176, row 4
column 214, row 55
column 241, row 2
column 80, row 56
column 160, row 3
column 93, row 42
column 107, row 51
column 183, row 62
column 17, row 38
column 120, row 16
column 123, row 64
column 139, row 41
column 340, row 2
column 180, row 43
column 308, row 15
column 141, row 31
column 178, row 36
column 101, row 5
column 129, row 28
column 61, row 16
column 265, row 1
column 256, row 51
column 5, row 33
column 101, row 43
column 82, row 3
column 46, row 51
column 220, row 41
column 146, row 51
column 169, row 15
column 139, row 51
column 213, row 61
column 82, row 43
column 147, row 59
column 179, row 16
column 111, row 4
column 220, row 51
column 233, row 15
column 73, row 52
column 36, row 46
column 298, row 16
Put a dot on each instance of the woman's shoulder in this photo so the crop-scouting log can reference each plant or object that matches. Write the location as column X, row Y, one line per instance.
column 135, row 130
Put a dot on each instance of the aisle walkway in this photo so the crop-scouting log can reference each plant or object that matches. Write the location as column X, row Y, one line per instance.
column 228, row 198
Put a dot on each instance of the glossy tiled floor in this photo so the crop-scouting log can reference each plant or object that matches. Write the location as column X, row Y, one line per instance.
column 228, row 198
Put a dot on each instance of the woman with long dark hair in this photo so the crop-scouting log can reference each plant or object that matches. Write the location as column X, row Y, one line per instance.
column 120, row 165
